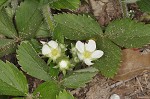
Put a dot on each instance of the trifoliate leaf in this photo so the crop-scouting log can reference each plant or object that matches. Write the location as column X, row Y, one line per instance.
column 36, row 45
column 43, row 2
column 43, row 31
column 6, row 25
column 47, row 90
column 3, row 3
column 65, row 4
column 108, row 64
column 28, row 19
column 31, row 62
column 77, row 27
column 144, row 5
column 7, row 46
column 12, row 81
column 128, row 33
column 77, row 80
column 89, row 69
column 64, row 95
column 58, row 35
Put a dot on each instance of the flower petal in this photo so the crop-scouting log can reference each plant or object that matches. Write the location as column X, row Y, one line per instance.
column 90, row 46
column 80, row 46
column 46, row 49
column 97, row 54
column 53, row 44
column 88, row 62
column 80, row 56
column 43, row 42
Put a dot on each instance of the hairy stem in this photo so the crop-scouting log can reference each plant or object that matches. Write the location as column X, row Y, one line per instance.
column 124, row 8
column 48, row 17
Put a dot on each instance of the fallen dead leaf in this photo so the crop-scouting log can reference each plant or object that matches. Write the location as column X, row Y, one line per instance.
column 133, row 64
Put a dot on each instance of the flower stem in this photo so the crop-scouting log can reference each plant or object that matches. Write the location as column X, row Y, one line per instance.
column 124, row 8
column 48, row 17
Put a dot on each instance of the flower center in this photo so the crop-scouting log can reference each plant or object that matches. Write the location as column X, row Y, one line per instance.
column 87, row 54
column 63, row 64
column 54, row 52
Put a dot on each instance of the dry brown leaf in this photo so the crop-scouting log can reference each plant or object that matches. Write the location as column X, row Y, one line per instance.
column 133, row 64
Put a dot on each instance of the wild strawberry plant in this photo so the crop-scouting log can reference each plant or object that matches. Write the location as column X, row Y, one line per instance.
column 74, row 41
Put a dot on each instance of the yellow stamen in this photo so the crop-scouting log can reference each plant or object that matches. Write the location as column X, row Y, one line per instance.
column 54, row 52
column 87, row 54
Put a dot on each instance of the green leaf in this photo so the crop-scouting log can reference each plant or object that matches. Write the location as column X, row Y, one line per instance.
column 28, row 19
column 77, row 27
column 7, row 46
column 58, row 34
column 77, row 80
column 53, row 71
column 19, row 98
column 128, row 33
column 89, row 69
column 65, row 95
column 12, row 81
column 43, row 31
column 47, row 90
column 31, row 62
column 43, row 2
column 6, row 25
column 2, row 2
column 144, row 5
column 65, row 4
column 36, row 45
column 108, row 64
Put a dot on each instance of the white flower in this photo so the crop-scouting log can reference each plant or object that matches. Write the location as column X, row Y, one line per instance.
column 64, row 65
column 87, row 51
column 114, row 96
column 51, row 49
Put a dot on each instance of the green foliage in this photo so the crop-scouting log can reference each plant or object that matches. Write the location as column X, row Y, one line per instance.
column 144, row 5
column 2, row 2
column 77, row 27
column 89, row 69
column 36, row 45
column 43, row 31
column 43, row 2
column 12, row 81
column 31, row 62
column 109, row 63
column 7, row 46
column 64, row 95
column 53, row 71
column 128, row 33
column 6, row 25
column 65, row 4
column 47, row 90
column 28, row 19
column 58, row 35
column 77, row 80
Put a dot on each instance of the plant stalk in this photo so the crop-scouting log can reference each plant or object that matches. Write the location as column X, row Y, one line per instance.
column 124, row 8
column 48, row 17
